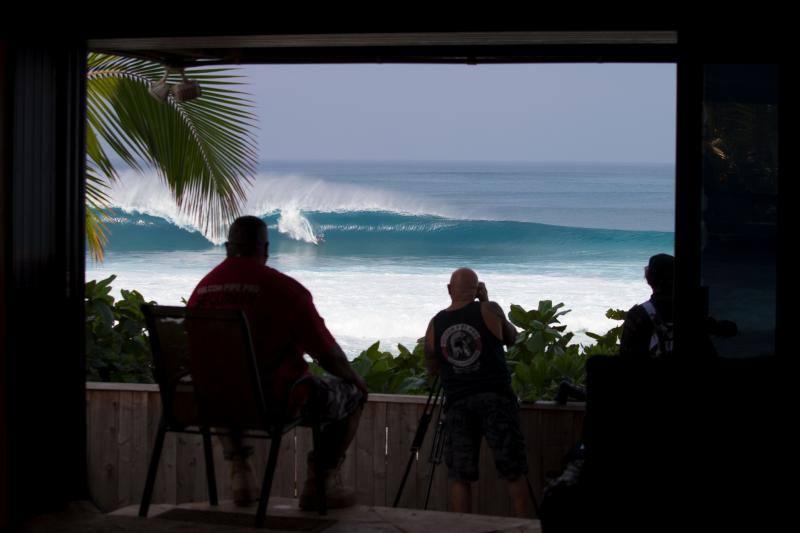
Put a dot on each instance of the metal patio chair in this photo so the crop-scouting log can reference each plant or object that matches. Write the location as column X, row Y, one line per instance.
column 210, row 383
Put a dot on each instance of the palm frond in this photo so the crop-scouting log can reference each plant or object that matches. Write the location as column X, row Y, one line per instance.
column 97, row 155
column 204, row 149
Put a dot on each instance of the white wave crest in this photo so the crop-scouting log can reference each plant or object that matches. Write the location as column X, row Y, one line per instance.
column 293, row 224
column 271, row 193
column 147, row 194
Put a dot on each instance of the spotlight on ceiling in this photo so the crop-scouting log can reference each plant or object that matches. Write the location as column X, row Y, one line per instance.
column 160, row 89
column 187, row 89
column 184, row 91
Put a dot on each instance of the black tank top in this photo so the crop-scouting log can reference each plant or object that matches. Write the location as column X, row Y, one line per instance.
column 472, row 359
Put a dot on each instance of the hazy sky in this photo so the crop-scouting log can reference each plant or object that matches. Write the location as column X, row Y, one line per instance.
column 562, row 112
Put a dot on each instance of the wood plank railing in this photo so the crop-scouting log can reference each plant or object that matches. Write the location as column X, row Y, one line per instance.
column 122, row 420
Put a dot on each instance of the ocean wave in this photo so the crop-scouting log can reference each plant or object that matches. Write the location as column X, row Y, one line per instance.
column 285, row 195
column 389, row 234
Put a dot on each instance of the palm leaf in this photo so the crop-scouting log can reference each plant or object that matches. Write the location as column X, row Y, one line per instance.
column 96, row 234
column 96, row 214
column 203, row 150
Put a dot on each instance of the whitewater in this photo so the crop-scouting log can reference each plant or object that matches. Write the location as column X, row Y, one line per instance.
column 375, row 242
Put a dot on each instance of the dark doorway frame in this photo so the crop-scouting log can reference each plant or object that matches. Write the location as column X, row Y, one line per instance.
column 42, row 196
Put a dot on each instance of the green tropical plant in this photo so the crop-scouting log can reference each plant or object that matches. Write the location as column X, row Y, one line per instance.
column 542, row 356
column 386, row 373
column 117, row 348
column 608, row 343
column 202, row 149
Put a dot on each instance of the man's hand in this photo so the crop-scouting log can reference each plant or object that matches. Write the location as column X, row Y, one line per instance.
column 482, row 294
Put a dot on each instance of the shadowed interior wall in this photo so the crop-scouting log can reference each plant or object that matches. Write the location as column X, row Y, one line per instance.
column 41, row 249
column 4, row 478
column 43, row 282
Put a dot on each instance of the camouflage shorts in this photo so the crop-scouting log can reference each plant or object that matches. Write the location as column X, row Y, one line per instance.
column 336, row 399
column 489, row 415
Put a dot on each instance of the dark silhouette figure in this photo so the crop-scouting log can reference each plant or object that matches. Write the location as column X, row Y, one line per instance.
column 648, row 327
column 285, row 325
column 464, row 346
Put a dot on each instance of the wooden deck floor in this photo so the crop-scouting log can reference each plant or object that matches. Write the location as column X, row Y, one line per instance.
column 283, row 516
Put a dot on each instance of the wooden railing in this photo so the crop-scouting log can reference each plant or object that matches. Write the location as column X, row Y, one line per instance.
column 122, row 420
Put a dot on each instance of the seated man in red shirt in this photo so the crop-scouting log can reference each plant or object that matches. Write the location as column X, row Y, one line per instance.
column 284, row 325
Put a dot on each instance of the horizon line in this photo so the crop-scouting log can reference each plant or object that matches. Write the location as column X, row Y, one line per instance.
column 396, row 160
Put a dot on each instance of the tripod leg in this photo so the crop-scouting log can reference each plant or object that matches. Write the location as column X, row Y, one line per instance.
column 437, row 446
column 405, row 478
column 422, row 428
column 430, row 485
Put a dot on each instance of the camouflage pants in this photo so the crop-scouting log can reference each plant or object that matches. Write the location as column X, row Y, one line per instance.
column 489, row 415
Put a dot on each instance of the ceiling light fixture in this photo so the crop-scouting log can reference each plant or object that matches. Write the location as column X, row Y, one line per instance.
column 184, row 91
column 160, row 89
column 187, row 89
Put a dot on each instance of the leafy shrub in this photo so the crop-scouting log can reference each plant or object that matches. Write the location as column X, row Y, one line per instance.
column 607, row 344
column 386, row 373
column 542, row 356
column 117, row 348
column 539, row 360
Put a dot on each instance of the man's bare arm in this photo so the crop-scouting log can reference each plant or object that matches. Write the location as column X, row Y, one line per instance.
column 507, row 331
column 431, row 362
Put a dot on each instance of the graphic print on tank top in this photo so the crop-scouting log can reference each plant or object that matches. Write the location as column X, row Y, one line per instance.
column 461, row 347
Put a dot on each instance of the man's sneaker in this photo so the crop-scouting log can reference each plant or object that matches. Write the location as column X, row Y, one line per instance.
column 337, row 495
column 243, row 483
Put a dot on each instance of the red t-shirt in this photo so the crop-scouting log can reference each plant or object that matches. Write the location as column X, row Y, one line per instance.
column 284, row 324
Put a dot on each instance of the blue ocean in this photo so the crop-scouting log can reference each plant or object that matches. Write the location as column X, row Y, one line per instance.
column 375, row 242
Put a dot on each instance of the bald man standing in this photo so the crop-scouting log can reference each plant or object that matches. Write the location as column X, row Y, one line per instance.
column 464, row 347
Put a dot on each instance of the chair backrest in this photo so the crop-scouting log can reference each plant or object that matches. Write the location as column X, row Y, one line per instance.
column 209, row 354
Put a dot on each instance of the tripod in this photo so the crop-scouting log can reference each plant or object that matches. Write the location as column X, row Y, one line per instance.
column 437, row 447
column 438, row 442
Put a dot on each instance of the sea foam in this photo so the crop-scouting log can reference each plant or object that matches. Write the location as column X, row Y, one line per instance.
column 364, row 302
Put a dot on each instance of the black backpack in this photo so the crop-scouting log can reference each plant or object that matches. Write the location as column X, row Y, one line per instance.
column 663, row 338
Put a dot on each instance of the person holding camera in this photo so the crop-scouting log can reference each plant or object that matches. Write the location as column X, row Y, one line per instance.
column 464, row 346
